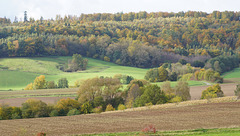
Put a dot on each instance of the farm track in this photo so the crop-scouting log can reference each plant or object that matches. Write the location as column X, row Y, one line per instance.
column 16, row 97
column 213, row 115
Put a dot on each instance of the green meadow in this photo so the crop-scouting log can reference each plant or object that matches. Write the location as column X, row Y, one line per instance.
column 17, row 73
column 232, row 74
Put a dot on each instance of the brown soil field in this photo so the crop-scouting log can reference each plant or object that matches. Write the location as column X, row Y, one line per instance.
column 16, row 98
column 212, row 115
column 195, row 92
column 18, row 101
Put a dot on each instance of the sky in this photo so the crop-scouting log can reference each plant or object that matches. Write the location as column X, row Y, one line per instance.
column 50, row 8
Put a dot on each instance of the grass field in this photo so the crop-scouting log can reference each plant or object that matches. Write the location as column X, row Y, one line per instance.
column 198, row 132
column 232, row 76
column 186, row 119
column 16, row 73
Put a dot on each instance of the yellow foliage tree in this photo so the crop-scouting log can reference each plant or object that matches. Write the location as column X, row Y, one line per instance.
column 39, row 82
column 29, row 87
column 63, row 106
column 212, row 92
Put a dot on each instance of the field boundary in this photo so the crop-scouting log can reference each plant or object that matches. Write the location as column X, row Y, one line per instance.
column 180, row 104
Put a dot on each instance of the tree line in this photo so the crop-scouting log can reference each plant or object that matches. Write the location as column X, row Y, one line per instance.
column 104, row 94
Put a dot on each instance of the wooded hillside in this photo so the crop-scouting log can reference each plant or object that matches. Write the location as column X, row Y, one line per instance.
column 133, row 39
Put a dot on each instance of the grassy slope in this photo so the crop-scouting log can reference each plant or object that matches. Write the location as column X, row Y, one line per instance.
column 232, row 74
column 22, row 71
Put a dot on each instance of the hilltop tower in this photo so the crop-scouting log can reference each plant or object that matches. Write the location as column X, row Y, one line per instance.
column 25, row 16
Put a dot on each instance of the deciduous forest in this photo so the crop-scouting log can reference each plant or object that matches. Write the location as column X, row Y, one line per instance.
column 140, row 39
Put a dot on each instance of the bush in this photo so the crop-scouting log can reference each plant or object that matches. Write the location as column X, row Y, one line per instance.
column 63, row 83
column 183, row 61
column 86, row 108
column 166, row 87
column 173, row 76
column 34, row 108
column 151, row 94
column 51, row 85
column 5, row 112
column 198, row 64
column 176, row 99
column 152, row 75
column 149, row 129
column 98, row 109
column 186, row 77
column 124, row 79
column 53, row 113
column 163, row 74
column 41, row 134
column 29, row 87
column 39, row 82
column 77, row 63
column 16, row 113
column 121, row 107
column 237, row 91
column 98, row 101
column 77, row 83
column 109, row 108
column 212, row 92
column 63, row 106
column 106, row 59
column 182, row 90
column 73, row 112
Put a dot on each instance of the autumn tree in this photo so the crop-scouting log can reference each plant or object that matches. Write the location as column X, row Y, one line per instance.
column 63, row 83
column 94, row 87
column 163, row 74
column 32, row 108
column 182, row 90
column 77, row 63
column 237, row 91
column 5, row 112
column 166, row 87
column 151, row 94
column 29, row 87
column 152, row 75
column 212, row 92
column 39, row 82
column 133, row 91
column 63, row 106
column 51, row 85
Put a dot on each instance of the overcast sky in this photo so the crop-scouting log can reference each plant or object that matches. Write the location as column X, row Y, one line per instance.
column 50, row 8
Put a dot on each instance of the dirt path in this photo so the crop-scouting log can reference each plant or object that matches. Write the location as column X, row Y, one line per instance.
column 178, row 118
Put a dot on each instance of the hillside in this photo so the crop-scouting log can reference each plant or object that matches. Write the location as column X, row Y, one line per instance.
column 16, row 73
column 212, row 115
column 140, row 39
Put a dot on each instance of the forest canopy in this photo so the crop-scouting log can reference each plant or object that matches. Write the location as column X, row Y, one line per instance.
column 134, row 39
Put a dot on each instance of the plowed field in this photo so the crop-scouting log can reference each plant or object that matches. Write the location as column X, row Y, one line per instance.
column 179, row 118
